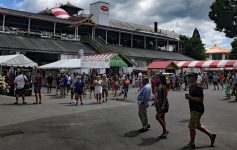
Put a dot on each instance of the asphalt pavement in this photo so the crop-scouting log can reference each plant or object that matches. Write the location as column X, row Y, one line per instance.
column 58, row 125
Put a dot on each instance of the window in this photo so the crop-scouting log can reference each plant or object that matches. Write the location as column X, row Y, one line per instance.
column 216, row 56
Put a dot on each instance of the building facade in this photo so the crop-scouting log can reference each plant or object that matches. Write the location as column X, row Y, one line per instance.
column 217, row 53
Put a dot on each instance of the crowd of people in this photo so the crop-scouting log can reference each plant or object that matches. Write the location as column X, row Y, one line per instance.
column 153, row 89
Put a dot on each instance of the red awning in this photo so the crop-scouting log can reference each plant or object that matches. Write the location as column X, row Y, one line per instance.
column 160, row 64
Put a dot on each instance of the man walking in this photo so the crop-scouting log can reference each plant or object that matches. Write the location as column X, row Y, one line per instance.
column 144, row 96
column 195, row 98
column 50, row 82
column 20, row 87
column 37, row 87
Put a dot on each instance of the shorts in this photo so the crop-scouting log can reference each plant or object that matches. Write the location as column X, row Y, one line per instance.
column 77, row 94
column 37, row 89
column 194, row 121
column 105, row 91
column 50, row 85
column 215, row 83
column 92, row 87
column 20, row 91
column 98, row 90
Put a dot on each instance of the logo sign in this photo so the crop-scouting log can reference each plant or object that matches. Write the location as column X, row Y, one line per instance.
column 104, row 8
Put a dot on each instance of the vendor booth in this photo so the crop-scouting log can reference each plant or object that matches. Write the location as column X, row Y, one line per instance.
column 10, row 65
column 164, row 66
column 115, row 62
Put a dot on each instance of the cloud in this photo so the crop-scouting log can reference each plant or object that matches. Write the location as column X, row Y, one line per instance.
column 2, row 5
column 182, row 16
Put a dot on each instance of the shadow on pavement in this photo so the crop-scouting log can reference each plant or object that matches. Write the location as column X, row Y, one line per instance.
column 203, row 147
column 149, row 141
column 19, row 104
column 184, row 120
column 232, row 101
column 133, row 133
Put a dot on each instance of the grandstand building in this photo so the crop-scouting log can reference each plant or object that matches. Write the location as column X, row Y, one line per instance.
column 61, row 32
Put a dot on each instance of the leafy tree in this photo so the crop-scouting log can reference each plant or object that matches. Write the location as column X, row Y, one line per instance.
column 233, row 53
column 224, row 14
column 193, row 46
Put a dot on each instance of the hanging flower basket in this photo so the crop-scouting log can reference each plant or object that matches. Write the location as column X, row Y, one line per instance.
column 4, row 87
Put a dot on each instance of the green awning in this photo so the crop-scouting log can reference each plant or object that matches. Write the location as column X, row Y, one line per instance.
column 116, row 61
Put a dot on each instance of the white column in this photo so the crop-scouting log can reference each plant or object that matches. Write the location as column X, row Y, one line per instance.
column 178, row 47
column 167, row 46
column 106, row 36
column 54, row 28
column 3, row 22
column 131, row 40
column 223, row 56
column 144, row 42
column 93, row 32
column 28, row 25
column 119, row 38
column 75, row 34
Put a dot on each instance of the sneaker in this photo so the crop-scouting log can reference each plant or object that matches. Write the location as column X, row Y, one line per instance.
column 213, row 138
column 142, row 130
column 189, row 146
column 82, row 104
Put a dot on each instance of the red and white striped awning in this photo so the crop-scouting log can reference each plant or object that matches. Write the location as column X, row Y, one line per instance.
column 59, row 13
column 208, row 64
column 101, row 56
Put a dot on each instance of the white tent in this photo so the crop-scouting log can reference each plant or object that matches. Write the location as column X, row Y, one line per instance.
column 18, row 60
column 63, row 64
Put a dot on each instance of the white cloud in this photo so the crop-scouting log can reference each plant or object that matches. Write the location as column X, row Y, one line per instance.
column 2, row 5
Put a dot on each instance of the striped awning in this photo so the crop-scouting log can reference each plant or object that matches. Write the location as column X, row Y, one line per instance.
column 101, row 56
column 114, row 59
column 208, row 64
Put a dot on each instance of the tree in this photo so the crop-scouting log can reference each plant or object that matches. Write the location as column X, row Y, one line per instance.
column 233, row 53
column 196, row 34
column 224, row 15
column 193, row 46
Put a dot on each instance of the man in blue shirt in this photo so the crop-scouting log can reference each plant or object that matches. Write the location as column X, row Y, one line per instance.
column 144, row 96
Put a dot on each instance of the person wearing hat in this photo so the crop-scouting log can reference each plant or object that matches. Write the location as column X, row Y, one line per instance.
column 195, row 98
column 78, row 89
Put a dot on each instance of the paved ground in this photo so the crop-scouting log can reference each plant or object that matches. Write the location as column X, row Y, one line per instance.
column 58, row 125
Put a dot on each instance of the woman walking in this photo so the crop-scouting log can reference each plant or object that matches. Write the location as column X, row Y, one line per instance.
column 162, row 105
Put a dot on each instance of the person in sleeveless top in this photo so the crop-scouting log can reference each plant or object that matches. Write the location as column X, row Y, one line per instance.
column 162, row 105
column 98, row 89
column 37, row 87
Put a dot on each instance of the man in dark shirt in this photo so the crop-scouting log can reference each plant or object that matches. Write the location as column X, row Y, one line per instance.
column 37, row 87
column 195, row 98
column 50, row 82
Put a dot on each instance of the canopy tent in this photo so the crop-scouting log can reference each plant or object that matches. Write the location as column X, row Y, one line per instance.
column 63, row 64
column 163, row 65
column 18, row 60
column 113, row 59
column 208, row 64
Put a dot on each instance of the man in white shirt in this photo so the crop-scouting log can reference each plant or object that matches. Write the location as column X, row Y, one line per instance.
column 20, row 87
column 199, row 79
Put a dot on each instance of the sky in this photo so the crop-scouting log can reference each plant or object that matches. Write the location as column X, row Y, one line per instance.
column 181, row 16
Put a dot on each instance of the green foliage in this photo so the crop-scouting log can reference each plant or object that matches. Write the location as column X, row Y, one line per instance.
column 233, row 54
column 193, row 46
column 4, row 87
column 224, row 14
column 196, row 34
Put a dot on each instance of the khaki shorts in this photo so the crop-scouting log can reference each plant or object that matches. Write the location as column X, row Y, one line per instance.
column 194, row 121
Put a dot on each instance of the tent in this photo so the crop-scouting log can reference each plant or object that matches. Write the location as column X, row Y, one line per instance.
column 18, row 60
column 208, row 64
column 63, row 64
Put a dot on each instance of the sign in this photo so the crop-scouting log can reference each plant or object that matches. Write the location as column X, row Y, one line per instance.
column 104, row 8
